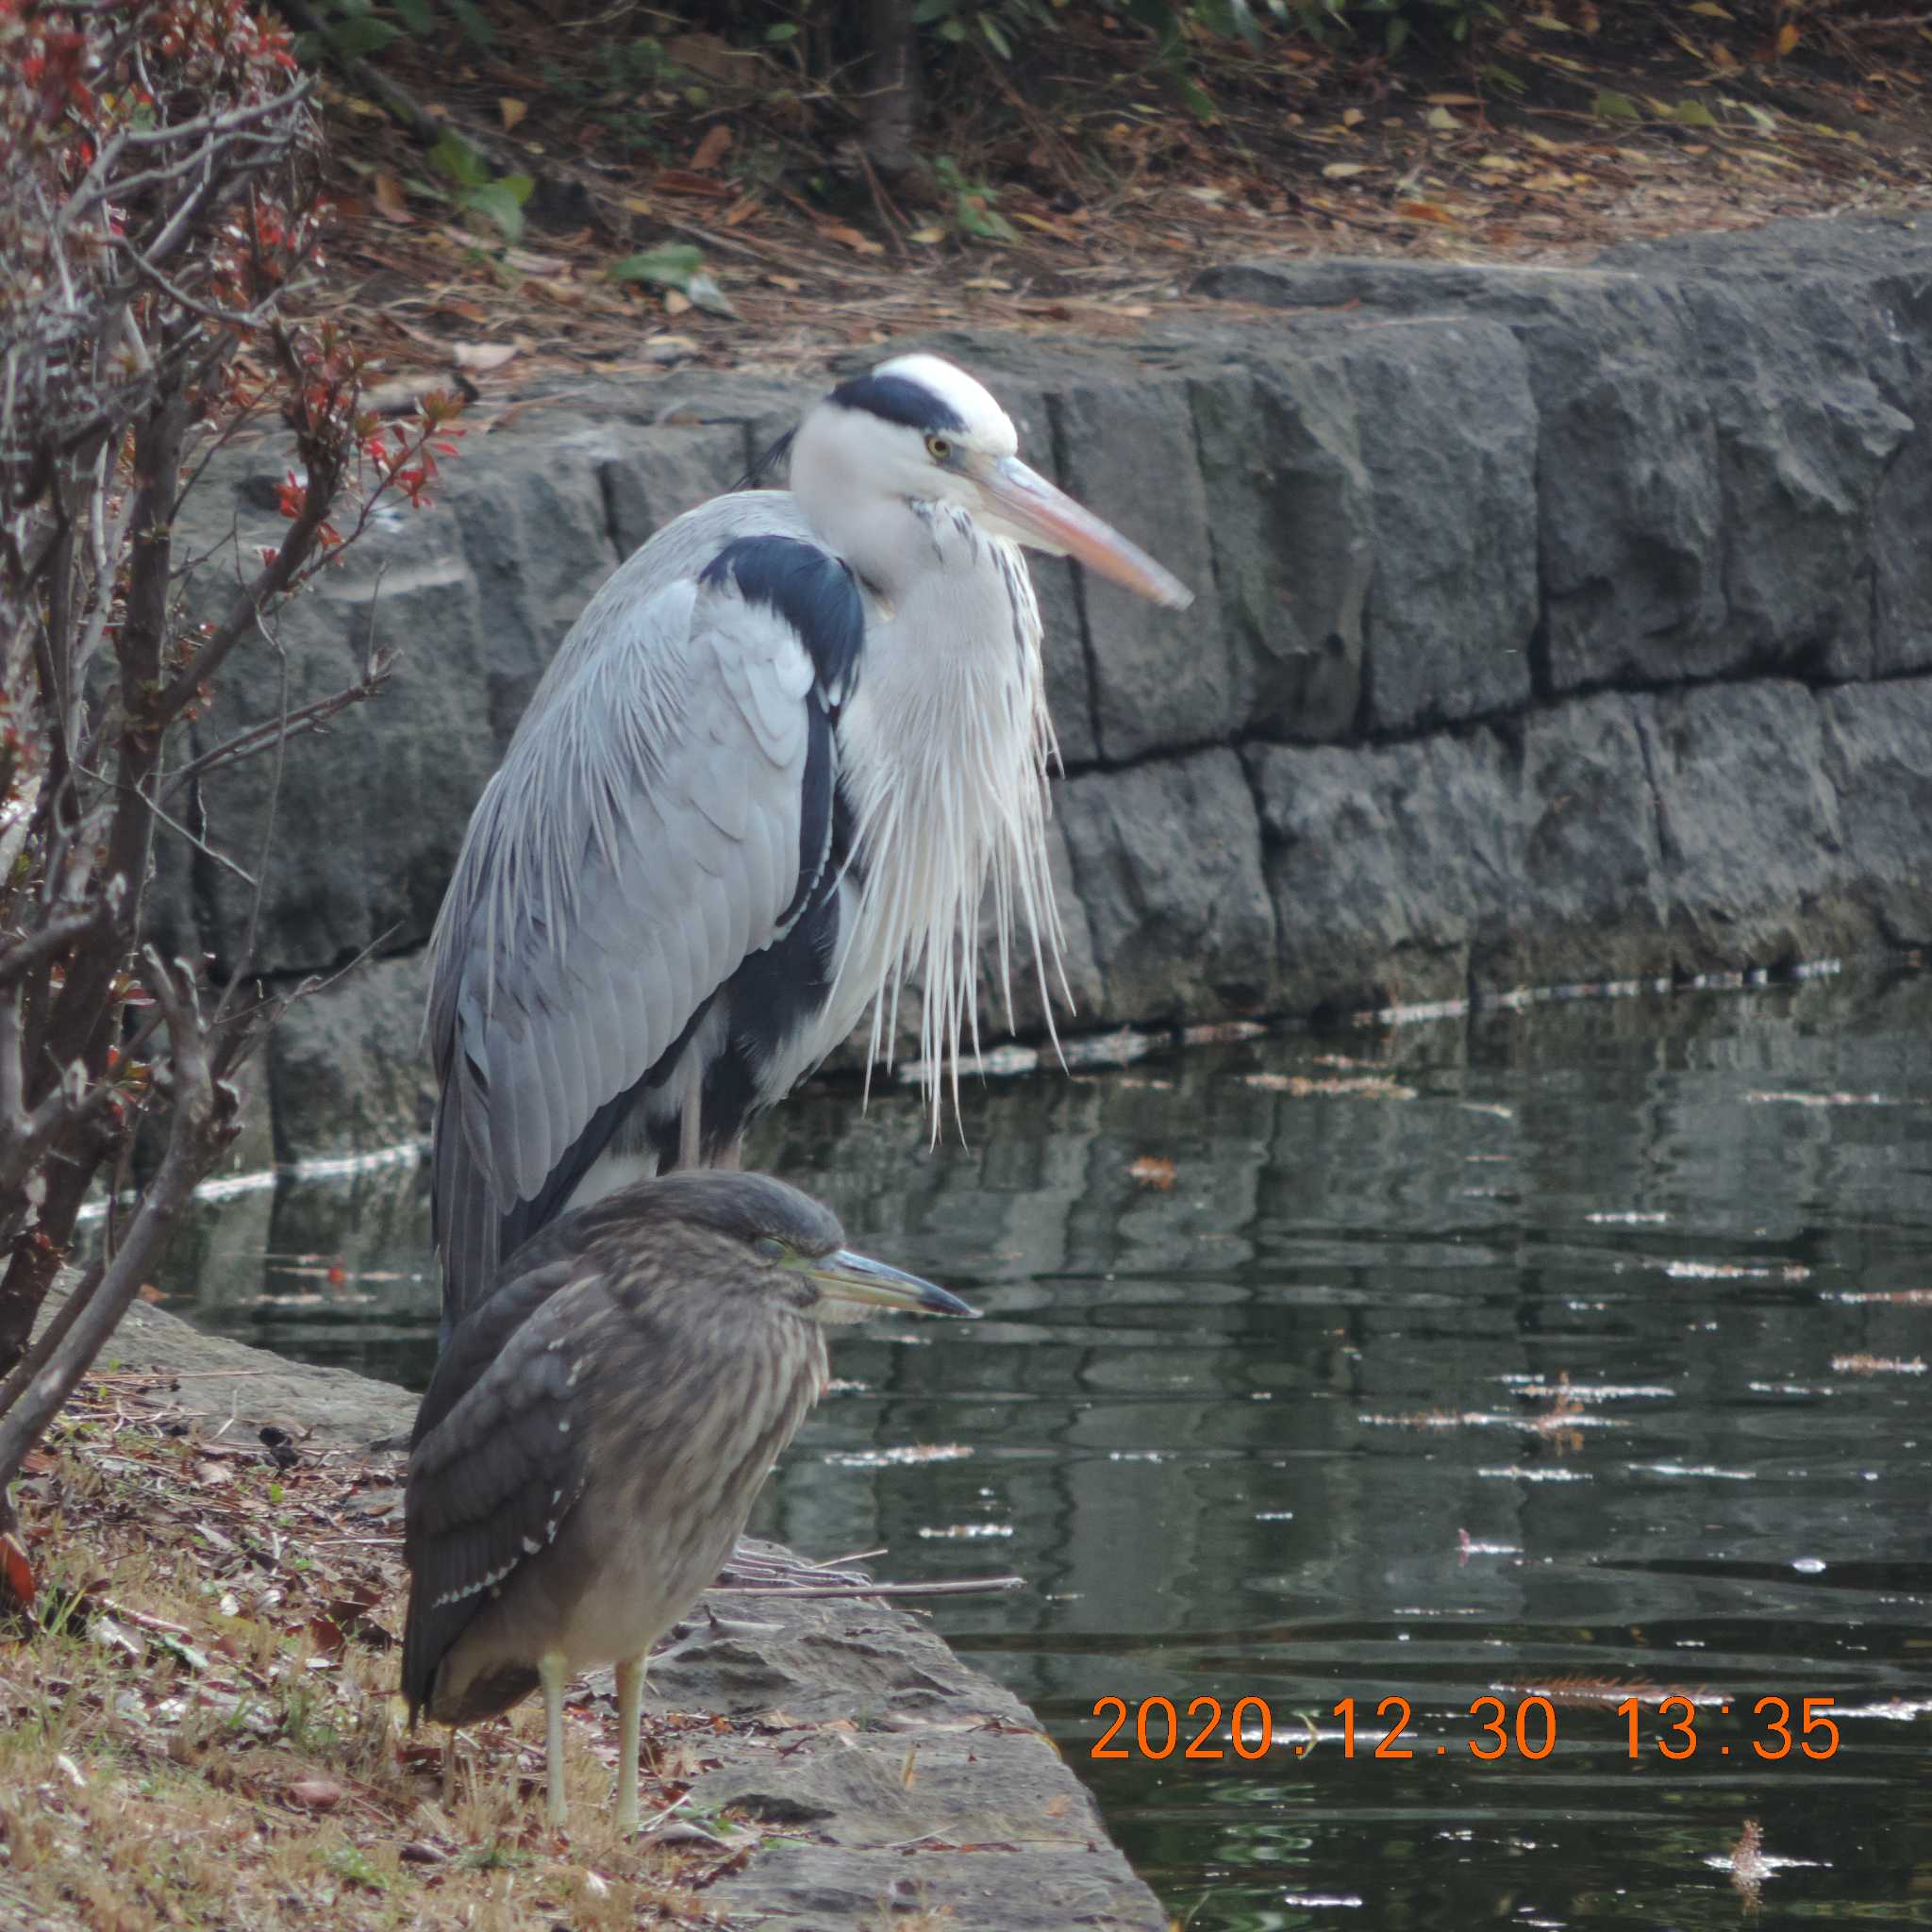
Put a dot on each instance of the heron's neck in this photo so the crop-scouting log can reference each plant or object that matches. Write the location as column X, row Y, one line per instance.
column 943, row 752
column 886, row 539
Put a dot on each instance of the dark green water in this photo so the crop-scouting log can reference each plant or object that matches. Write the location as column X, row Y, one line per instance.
column 1586, row 1352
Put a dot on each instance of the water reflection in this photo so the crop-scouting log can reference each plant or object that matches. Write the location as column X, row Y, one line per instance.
column 1598, row 1366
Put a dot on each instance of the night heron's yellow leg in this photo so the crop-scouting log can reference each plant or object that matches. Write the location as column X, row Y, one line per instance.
column 630, row 1707
column 551, row 1674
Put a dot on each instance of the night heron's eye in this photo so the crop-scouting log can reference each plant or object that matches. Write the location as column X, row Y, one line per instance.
column 938, row 448
column 770, row 1247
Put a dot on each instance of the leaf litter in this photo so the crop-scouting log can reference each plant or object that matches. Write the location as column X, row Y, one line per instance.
column 197, row 1710
column 1074, row 189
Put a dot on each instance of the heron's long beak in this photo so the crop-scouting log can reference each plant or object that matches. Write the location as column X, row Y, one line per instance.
column 844, row 1277
column 1048, row 519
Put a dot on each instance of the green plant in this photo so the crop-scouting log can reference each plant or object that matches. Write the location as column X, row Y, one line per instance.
column 499, row 198
column 353, row 30
column 974, row 206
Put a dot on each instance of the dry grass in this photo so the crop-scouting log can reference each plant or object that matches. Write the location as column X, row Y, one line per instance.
column 198, row 1723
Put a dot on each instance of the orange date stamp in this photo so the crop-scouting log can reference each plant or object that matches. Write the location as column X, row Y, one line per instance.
column 1674, row 1729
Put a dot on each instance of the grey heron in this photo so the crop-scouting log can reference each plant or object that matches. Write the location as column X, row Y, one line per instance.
column 596, row 1432
column 772, row 773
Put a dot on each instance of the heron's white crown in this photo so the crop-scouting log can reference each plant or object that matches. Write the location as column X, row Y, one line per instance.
column 987, row 426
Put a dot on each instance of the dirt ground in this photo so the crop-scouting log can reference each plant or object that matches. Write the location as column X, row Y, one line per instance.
column 199, row 1724
column 1080, row 191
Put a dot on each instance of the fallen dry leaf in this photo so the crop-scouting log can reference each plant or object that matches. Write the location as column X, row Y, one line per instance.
column 477, row 357
column 1363, row 1086
column 852, row 239
column 710, row 150
column 389, row 199
column 326, row 1635
column 511, row 110
column 313, row 1794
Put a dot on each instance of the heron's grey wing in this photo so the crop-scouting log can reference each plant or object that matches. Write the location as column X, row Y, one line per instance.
column 496, row 1464
column 663, row 809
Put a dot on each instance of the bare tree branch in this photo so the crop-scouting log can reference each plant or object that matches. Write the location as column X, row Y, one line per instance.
column 202, row 1123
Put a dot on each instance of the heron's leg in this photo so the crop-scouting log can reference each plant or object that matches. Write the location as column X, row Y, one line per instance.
column 692, row 1122
column 551, row 1674
column 449, row 1766
column 630, row 1708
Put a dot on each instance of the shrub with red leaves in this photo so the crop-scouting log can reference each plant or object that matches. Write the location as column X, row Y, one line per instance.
column 159, row 216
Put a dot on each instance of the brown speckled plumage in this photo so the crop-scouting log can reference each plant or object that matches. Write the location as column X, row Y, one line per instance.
column 597, row 1430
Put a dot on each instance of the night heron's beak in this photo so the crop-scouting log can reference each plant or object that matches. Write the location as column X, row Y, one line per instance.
column 1048, row 519
column 843, row 1276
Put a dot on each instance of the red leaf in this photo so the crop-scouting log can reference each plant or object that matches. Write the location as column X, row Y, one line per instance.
column 16, row 1574
column 326, row 1635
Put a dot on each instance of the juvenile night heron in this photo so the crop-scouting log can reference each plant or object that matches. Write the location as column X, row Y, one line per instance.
column 771, row 773
column 595, row 1432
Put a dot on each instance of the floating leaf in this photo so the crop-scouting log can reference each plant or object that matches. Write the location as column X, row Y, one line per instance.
column 1343, row 171
column 1616, row 106
column 1787, row 37
column 511, row 110
column 1692, row 114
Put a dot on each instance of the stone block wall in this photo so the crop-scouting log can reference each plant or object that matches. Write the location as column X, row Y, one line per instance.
column 1553, row 623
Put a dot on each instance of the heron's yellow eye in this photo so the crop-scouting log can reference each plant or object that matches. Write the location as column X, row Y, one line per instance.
column 770, row 1247
column 938, row 448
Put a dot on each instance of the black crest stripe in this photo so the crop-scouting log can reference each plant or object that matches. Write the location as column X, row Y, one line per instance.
column 899, row 399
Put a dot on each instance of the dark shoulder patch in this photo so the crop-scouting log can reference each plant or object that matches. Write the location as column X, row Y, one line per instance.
column 898, row 399
column 812, row 590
